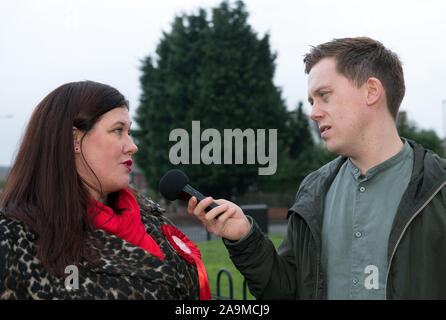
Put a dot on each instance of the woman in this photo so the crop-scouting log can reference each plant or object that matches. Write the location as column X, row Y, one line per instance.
column 70, row 227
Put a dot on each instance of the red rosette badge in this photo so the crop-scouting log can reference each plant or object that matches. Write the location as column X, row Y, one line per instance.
column 190, row 252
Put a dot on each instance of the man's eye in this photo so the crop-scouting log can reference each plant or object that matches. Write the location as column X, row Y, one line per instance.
column 324, row 95
column 118, row 130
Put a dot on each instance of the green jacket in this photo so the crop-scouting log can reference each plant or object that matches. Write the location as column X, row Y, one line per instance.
column 416, row 249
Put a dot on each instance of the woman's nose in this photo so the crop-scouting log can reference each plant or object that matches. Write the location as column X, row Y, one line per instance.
column 131, row 147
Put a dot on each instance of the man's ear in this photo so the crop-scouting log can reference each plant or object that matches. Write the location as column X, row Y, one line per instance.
column 375, row 90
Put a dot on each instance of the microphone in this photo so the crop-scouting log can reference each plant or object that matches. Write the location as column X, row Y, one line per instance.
column 175, row 185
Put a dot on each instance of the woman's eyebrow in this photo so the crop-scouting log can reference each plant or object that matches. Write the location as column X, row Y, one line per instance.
column 122, row 123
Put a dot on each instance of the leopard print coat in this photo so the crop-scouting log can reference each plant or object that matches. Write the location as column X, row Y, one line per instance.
column 123, row 271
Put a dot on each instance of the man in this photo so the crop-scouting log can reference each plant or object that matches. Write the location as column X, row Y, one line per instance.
column 371, row 224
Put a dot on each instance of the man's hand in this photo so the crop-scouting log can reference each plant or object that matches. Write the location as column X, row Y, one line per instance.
column 232, row 224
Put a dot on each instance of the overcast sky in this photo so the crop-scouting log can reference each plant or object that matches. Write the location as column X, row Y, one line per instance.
column 44, row 44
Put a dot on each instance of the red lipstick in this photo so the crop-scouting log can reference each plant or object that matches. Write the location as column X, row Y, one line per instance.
column 128, row 164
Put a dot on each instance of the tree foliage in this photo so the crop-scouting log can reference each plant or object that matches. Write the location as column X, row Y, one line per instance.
column 214, row 70
column 427, row 138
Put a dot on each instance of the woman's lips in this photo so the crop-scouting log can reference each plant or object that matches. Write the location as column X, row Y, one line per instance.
column 128, row 164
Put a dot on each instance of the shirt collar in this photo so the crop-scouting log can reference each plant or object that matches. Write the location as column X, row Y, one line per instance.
column 399, row 157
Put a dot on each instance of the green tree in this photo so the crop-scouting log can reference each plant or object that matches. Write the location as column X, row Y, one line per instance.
column 427, row 138
column 298, row 132
column 216, row 71
column 299, row 155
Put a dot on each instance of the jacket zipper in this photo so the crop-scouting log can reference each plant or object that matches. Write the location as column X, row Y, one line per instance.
column 317, row 260
column 317, row 280
column 405, row 228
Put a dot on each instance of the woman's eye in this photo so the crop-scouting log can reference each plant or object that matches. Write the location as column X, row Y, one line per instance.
column 121, row 130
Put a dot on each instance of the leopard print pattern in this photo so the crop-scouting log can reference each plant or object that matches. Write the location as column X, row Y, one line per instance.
column 123, row 271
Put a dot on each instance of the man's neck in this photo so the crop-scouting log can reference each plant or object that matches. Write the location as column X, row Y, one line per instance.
column 376, row 151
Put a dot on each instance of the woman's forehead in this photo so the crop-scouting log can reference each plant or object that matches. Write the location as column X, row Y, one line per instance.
column 116, row 115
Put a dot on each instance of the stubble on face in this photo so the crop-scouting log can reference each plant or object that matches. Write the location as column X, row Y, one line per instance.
column 338, row 103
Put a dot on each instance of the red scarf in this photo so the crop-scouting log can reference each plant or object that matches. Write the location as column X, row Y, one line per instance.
column 127, row 225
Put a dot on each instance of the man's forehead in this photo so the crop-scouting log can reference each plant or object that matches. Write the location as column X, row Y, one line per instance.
column 323, row 66
column 321, row 74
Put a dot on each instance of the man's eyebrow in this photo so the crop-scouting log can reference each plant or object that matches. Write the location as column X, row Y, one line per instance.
column 317, row 90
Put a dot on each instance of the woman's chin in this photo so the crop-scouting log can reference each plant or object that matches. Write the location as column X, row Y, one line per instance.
column 119, row 186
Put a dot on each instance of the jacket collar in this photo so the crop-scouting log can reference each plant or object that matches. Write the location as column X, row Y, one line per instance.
column 428, row 174
column 310, row 197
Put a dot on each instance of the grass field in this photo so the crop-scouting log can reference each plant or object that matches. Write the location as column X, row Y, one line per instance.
column 215, row 257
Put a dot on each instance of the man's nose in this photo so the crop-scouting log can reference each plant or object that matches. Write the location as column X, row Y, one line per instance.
column 316, row 113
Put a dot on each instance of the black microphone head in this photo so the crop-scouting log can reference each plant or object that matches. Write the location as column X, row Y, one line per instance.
column 172, row 183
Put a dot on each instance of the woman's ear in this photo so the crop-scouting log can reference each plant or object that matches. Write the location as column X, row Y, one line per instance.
column 375, row 90
column 77, row 134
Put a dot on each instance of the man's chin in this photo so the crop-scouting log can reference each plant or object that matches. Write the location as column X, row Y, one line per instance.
column 333, row 148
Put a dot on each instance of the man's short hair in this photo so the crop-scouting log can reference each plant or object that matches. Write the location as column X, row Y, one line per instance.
column 360, row 58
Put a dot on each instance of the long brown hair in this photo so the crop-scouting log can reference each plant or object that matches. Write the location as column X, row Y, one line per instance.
column 43, row 188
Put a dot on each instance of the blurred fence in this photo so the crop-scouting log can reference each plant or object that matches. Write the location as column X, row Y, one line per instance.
column 219, row 295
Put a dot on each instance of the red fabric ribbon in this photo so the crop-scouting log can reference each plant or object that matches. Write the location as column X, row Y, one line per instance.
column 190, row 252
column 127, row 225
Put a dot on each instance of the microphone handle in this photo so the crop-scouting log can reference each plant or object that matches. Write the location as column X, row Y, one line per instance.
column 197, row 194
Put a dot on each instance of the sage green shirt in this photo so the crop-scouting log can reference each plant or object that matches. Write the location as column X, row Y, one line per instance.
column 358, row 215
